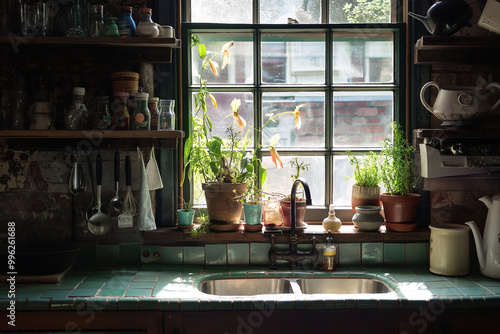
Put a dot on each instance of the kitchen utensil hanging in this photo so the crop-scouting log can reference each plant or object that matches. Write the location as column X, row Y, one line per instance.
column 126, row 218
column 116, row 202
column 99, row 223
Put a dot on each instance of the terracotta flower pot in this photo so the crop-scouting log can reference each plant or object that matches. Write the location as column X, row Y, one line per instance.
column 365, row 196
column 222, row 206
column 300, row 208
column 400, row 209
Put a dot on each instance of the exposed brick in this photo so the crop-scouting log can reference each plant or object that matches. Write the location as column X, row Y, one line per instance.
column 367, row 111
column 357, row 104
column 374, row 120
column 373, row 129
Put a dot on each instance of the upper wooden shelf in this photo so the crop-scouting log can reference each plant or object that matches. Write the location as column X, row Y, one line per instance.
column 457, row 134
column 457, row 49
column 106, row 49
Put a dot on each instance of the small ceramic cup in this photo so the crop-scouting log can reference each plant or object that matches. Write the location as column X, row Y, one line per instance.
column 167, row 32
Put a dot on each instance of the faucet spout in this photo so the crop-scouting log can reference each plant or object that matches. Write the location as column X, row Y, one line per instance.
column 293, row 205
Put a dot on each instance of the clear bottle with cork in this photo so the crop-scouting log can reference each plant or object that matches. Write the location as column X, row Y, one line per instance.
column 331, row 223
column 329, row 254
column 142, row 115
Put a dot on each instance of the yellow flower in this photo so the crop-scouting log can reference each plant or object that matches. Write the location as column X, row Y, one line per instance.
column 214, row 66
column 296, row 113
column 275, row 157
column 213, row 100
column 235, row 105
column 225, row 52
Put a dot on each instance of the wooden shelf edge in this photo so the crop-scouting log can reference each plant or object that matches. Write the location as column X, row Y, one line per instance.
column 95, row 41
column 54, row 134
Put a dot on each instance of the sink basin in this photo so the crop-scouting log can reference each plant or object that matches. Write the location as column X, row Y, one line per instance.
column 342, row 285
column 295, row 285
column 246, row 286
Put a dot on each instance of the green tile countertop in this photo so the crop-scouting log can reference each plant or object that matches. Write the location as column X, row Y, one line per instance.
column 176, row 288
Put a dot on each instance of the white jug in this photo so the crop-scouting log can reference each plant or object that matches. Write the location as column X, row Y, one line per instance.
column 488, row 247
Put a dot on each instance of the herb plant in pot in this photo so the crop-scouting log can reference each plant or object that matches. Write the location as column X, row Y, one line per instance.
column 367, row 177
column 185, row 216
column 399, row 203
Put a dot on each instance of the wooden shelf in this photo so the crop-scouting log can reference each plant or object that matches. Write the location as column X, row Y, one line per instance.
column 97, row 138
column 457, row 49
column 103, row 49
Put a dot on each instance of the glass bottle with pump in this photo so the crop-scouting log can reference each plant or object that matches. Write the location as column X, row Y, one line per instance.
column 77, row 117
column 126, row 24
column 142, row 115
column 329, row 254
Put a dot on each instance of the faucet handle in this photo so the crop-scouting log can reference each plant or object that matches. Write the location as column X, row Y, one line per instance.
column 313, row 239
column 272, row 240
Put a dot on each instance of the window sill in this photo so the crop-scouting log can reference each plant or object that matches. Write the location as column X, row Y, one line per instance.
column 171, row 236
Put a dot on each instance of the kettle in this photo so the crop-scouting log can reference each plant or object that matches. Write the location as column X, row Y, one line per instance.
column 488, row 250
column 445, row 17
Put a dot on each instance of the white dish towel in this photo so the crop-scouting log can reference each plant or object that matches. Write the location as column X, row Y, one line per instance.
column 146, row 219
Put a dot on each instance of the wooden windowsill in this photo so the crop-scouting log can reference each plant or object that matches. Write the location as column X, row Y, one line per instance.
column 171, row 236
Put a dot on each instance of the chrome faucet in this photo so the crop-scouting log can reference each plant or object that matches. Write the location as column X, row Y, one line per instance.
column 293, row 255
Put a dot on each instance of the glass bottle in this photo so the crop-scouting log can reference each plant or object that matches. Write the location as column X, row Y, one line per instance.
column 96, row 27
column 329, row 254
column 146, row 15
column 166, row 117
column 126, row 24
column 77, row 117
column 272, row 213
column 121, row 117
column 110, row 27
column 102, row 117
column 142, row 115
column 153, row 109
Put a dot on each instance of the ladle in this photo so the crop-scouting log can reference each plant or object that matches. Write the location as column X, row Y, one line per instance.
column 99, row 223
column 92, row 208
column 116, row 202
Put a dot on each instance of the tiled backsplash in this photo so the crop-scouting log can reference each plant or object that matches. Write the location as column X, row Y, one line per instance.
column 366, row 254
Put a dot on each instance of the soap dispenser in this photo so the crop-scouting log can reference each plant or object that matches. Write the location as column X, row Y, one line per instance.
column 331, row 222
column 329, row 254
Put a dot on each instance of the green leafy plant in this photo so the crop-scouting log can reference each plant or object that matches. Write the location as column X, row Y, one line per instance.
column 203, row 225
column 397, row 163
column 186, row 205
column 298, row 167
column 219, row 160
column 367, row 170
column 363, row 11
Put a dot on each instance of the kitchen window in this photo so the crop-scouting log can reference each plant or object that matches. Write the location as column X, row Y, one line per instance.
column 343, row 61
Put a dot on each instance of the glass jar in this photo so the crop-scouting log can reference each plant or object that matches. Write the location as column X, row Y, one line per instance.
column 146, row 15
column 166, row 117
column 77, row 117
column 153, row 109
column 102, row 116
column 272, row 213
column 142, row 115
column 126, row 24
column 121, row 117
column 110, row 27
column 96, row 27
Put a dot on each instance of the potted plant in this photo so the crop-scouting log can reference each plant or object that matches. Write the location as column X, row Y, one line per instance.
column 367, row 177
column 300, row 204
column 224, row 165
column 399, row 203
column 185, row 216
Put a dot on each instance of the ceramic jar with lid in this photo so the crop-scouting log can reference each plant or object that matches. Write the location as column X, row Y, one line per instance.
column 368, row 218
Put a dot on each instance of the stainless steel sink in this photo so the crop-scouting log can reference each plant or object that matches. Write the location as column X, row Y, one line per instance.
column 246, row 286
column 260, row 286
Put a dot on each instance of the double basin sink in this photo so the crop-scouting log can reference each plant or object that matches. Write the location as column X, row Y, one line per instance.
column 295, row 285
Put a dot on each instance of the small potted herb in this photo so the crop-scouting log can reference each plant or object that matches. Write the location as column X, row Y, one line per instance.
column 367, row 177
column 185, row 216
column 400, row 204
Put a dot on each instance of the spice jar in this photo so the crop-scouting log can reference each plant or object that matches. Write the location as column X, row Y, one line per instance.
column 142, row 115
column 121, row 117
column 153, row 109
column 77, row 117
column 166, row 118
column 102, row 117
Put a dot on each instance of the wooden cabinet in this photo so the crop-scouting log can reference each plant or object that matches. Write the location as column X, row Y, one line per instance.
column 83, row 321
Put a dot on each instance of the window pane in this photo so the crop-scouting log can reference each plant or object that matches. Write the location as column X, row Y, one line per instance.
column 279, row 11
column 360, row 11
column 361, row 59
column 342, row 186
column 293, row 58
column 362, row 119
column 221, row 11
column 280, row 181
column 312, row 115
column 222, row 117
column 240, row 68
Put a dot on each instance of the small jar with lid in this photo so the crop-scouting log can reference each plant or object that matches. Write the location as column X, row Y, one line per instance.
column 102, row 117
column 110, row 27
column 166, row 116
column 153, row 109
column 121, row 117
column 142, row 115
column 272, row 213
column 77, row 117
